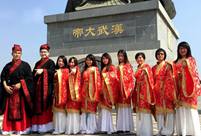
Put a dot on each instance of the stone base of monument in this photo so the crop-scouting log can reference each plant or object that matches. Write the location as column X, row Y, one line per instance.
column 143, row 26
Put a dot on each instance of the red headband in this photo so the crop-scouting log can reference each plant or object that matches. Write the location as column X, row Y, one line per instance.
column 45, row 46
column 16, row 47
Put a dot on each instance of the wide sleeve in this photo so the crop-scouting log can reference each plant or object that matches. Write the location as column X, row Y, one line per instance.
column 78, row 83
column 3, row 93
column 26, row 81
column 48, row 74
column 114, row 83
column 98, row 86
column 194, row 76
column 128, row 80
column 169, row 84
column 150, row 84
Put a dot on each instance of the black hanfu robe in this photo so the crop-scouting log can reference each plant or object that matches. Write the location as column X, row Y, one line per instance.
column 16, row 107
column 43, row 95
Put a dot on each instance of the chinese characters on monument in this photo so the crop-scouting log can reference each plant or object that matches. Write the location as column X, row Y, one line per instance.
column 100, row 30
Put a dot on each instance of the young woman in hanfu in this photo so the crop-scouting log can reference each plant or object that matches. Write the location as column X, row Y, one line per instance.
column 74, row 97
column 60, row 95
column 15, row 96
column 143, row 96
column 126, row 83
column 43, row 92
column 109, row 94
column 165, row 93
column 91, row 87
column 188, row 83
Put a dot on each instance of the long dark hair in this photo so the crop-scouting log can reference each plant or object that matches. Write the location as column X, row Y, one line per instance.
column 91, row 57
column 160, row 50
column 64, row 60
column 124, row 54
column 106, row 55
column 184, row 45
column 75, row 61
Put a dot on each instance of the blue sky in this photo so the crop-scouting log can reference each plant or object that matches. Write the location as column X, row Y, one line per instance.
column 21, row 21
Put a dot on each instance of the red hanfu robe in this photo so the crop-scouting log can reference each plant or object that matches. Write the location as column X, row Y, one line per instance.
column 60, row 89
column 16, row 107
column 188, row 82
column 164, row 87
column 126, row 81
column 74, row 93
column 110, row 86
column 91, row 88
column 43, row 93
column 143, row 95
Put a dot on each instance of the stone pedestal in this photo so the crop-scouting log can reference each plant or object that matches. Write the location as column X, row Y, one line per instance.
column 142, row 26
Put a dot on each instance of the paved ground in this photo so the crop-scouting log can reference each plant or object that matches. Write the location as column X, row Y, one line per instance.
column 114, row 120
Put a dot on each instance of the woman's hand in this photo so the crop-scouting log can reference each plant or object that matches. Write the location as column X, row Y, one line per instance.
column 8, row 89
column 73, row 71
column 17, row 86
column 38, row 71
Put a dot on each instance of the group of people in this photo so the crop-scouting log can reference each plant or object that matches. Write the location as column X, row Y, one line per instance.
column 63, row 99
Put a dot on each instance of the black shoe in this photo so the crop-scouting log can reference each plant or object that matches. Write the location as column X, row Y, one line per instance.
column 120, row 132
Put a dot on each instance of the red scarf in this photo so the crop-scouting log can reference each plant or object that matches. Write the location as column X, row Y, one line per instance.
column 39, row 88
column 14, row 109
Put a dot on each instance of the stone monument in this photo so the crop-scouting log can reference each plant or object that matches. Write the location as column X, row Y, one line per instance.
column 75, row 5
column 141, row 26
